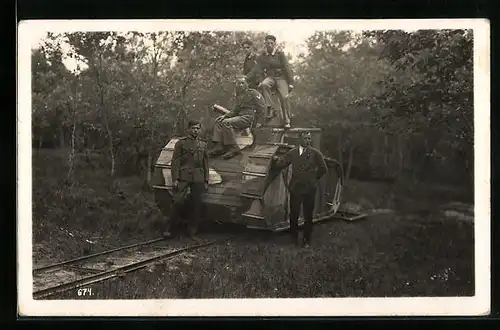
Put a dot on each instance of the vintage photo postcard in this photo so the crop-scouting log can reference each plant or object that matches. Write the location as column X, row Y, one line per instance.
column 253, row 167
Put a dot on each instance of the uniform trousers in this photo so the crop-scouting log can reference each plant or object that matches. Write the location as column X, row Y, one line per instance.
column 190, row 210
column 224, row 129
column 307, row 201
column 281, row 85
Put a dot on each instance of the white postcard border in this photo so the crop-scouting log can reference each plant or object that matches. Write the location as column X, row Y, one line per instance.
column 433, row 306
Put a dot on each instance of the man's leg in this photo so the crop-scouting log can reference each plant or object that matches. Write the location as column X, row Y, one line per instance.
column 197, row 190
column 172, row 225
column 229, row 140
column 267, row 85
column 282, row 87
column 295, row 201
column 309, row 200
column 217, row 138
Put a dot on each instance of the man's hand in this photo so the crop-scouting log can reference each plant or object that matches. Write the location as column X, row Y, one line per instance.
column 206, row 186
column 290, row 88
column 176, row 184
column 275, row 158
column 220, row 118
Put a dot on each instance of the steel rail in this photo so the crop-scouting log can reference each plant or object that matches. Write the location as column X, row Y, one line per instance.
column 118, row 271
column 90, row 256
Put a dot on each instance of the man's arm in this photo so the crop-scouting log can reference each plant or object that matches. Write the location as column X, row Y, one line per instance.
column 205, row 165
column 285, row 161
column 260, row 105
column 286, row 68
column 175, row 163
column 321, row 163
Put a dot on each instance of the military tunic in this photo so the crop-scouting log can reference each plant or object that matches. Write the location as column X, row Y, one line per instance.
column 190, row 161
column 273, row 71
column 241, row 117
column 190, row 167
column 248, row 65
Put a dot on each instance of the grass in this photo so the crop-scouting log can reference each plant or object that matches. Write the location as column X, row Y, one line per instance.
column 406, row 253
column 90, row 215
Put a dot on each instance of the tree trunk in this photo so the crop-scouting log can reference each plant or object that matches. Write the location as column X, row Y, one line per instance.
column 105, row 118
column 340, row 150
column 150, row 156
column 72, row 152
column 400, row 154
column 349, row 163
column 62, row 143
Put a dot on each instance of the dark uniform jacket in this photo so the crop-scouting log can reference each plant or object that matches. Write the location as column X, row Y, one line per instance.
column 247, row 102
column 248, row 65
column 273, row 64
column 306, row 169
column 190, row 161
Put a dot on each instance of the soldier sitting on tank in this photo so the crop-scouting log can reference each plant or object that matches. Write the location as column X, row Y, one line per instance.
column 190, row 174
column 273, row 71
column 249, row 103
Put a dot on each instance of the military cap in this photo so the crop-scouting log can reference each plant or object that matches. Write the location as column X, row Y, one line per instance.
column 247, row 42
column 192, row 123
column 271, row 37
column 240, row 76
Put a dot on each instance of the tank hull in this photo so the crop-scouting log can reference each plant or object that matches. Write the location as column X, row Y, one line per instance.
column 246, row 189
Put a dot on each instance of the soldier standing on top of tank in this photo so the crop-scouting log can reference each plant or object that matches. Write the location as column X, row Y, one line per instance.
column 190, row 174
column 273, row 70
column 249, row 62
column 249, row 103
column 308, row 166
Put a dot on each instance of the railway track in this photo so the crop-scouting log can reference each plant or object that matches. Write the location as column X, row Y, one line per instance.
column 75, row 273
column 72, row 274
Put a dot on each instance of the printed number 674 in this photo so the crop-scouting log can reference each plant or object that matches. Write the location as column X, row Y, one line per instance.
column 84, row 292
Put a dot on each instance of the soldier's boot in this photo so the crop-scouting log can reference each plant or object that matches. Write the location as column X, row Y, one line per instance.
column 169, row 233
column 306, row 242
column 295, row 238
column 193, row 232
column 233, row 151
column 217, row 150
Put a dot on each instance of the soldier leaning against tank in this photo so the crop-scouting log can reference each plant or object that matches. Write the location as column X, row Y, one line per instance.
column 190, row 174
column 309, row 166
column 273, row 71
column 249, row 103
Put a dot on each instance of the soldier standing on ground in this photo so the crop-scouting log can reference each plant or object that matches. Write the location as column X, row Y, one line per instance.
column 273, row 71
column 190, row 175
column 308, row 165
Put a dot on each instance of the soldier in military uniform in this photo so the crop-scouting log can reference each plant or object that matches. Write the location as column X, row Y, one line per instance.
column 273, row 70
column 250, row 61
column 249, row 103
column 308, row 166
column 190, row 175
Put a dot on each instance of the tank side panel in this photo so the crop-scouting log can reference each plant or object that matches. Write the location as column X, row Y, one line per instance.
column 167, row 152
column 275, row 201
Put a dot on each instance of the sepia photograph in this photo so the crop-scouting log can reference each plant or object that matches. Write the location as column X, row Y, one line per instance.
column 253, row 167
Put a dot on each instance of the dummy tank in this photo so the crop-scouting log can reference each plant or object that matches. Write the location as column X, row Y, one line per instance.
column 246, row 189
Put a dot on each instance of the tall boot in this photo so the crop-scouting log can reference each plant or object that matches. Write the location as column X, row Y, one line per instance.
column 233, row 151
column 217, row 150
